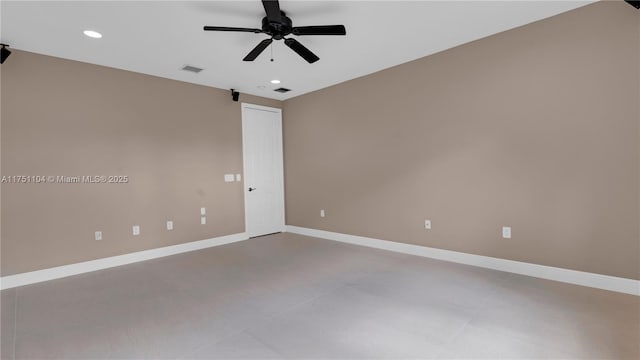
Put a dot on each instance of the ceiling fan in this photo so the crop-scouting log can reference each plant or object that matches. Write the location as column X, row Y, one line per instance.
column 278, row 25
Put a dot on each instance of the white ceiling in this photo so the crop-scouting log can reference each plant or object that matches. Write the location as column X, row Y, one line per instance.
column 160, row 37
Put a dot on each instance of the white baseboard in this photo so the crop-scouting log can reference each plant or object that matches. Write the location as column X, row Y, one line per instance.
column 57, row 272
column 606, row 282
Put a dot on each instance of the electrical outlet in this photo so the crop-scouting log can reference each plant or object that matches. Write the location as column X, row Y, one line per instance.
column 98, row 235
column 203, row 220
column 322, row 213
column 203, row 211
column 427, row 224
column 136, row 230
column 506, row 232
column 169, row 225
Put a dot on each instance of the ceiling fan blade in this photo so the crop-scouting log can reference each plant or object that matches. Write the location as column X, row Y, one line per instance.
column 258, row 50
column 319, row 30
column 301, row 50
column 272, row 8
column 226, row 28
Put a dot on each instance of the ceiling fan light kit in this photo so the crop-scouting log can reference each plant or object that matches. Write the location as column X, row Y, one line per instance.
column 278, row 25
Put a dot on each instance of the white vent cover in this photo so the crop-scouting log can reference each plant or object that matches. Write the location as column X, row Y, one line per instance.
column 193, row 69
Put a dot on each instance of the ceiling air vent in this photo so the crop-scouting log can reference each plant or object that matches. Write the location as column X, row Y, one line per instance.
column 282, row 90
column 192, row 69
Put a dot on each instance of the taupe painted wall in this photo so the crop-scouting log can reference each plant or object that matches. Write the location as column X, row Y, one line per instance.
column 535, row 128
column 174, row 140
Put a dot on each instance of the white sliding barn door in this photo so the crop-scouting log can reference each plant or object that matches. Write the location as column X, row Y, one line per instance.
column 263, row 169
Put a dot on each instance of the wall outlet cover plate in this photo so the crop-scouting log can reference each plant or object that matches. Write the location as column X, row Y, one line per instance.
column 506, row 232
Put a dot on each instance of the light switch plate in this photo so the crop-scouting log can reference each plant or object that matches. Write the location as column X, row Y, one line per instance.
column 98, row 235
column 506, row 232
column 229, row 178
column 136, row 230
column 169, row 225
column 238, row 177
column 203, row 211
column 203, row 220
column 427, row 224
column 322, row 213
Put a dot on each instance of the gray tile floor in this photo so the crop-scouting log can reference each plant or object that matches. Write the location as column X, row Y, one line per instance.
column 290, row 296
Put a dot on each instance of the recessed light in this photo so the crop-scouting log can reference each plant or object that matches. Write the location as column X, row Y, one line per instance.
column 275, row 81
column 92, row 34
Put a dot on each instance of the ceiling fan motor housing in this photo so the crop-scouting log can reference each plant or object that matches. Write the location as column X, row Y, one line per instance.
column 277, row 30
column 278, row 25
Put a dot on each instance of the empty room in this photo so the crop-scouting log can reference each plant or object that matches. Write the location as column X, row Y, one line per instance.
column 329, row 179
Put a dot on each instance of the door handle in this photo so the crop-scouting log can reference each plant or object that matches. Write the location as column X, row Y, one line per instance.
column 251, row 189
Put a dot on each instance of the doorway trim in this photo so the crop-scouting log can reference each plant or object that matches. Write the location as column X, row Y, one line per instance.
column 245, row 107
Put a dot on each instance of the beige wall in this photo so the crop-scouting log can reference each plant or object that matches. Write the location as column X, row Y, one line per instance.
column 537, row 128
column 174, row 140
column 534, row 128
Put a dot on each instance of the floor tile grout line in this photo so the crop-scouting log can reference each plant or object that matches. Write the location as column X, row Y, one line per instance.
column 266, row 345
column 275, row 315
column 485, row 301
column 446, row 344
column 329, row 292
column 267, row 319
column 476, row 313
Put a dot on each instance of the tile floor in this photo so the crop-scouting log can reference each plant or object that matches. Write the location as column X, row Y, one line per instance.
column 295, row 297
